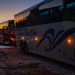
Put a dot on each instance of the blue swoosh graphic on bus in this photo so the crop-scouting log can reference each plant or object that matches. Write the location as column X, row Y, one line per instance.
column 56, row 39
column 49, row 31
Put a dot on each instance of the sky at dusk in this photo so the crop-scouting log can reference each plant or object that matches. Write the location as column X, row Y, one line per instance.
column 8, row 8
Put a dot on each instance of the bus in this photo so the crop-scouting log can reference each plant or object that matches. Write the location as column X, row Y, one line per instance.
column 48, row 29
column 7, row 33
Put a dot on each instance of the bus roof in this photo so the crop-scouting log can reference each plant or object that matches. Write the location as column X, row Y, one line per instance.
column 35, row 6
column 6, row 21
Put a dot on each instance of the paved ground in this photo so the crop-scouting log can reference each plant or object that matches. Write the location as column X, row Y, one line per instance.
column 13, row 62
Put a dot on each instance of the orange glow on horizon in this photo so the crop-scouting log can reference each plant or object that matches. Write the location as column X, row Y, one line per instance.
column 3, row 24
column 1, row 27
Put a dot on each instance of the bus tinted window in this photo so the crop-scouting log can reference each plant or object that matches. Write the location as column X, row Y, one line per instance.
column 38, row 17
column 61, row 8
column 54, row 16
column 20, row 20
column 69, row 13
column 47, row 15
column 71, row 5
column 51, row 11
column 44, row 13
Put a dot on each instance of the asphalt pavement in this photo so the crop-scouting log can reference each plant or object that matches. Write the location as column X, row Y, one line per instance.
column 13, row 62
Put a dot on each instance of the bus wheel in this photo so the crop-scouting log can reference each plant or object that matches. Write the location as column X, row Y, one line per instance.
column 25, row 50
column 21, row 45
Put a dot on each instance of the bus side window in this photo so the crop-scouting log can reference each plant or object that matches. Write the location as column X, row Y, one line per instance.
column 31, row 20
column 50, row 15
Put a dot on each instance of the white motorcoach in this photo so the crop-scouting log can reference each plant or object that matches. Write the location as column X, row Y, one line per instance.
column 48, row 29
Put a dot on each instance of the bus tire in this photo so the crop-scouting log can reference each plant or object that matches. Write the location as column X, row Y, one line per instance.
column 21, row 45
column 25, row 48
